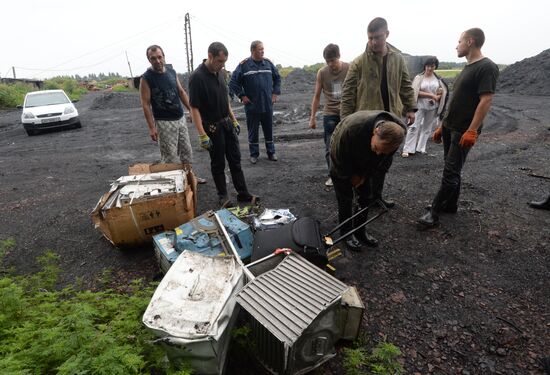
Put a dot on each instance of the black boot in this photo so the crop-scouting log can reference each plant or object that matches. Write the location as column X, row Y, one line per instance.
column 366, row 238
column 429, row 219
column 386, row 202
column 543, row 205
column 353, row 243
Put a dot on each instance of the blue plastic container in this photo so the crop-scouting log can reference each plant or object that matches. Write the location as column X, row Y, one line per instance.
column 201, row 235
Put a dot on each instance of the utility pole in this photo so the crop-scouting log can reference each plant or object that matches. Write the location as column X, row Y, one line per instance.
column 188, row 44
column 131, row 75
column 13, row 70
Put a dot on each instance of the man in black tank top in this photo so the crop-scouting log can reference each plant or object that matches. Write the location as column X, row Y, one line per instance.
column 162, row 100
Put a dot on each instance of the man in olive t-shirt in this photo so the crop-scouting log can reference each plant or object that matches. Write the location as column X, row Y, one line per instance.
column 329, row 81
column 472, row 97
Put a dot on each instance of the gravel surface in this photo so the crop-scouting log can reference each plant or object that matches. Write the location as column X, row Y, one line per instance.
column 470, row 296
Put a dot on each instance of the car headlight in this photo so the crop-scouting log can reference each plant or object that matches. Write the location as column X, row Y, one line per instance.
column 68, row 110
column 28, row 115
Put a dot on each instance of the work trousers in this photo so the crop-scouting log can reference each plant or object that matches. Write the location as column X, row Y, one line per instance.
column 455, row 157
column 173, row 140
column 253, row 121
column 345, row 194
column 376, row 181
column 225, row 144
column 329, row 124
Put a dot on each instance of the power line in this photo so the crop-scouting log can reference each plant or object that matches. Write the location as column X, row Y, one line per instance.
column 240, row 38
column 72, row 69
column 53, row 68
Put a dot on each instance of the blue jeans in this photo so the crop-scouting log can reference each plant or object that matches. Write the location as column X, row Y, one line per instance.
column 455, row 157
column 253, row 121
column 329, row 124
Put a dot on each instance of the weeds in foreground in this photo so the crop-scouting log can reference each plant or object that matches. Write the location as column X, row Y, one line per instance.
column 382, row 360
column 45, row 331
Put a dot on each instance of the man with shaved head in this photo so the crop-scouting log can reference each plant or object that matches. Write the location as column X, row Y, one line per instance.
column 471, row 100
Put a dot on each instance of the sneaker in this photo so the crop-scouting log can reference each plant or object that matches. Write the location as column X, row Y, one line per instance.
column 272, row 157
column 405, row 154
column 253, row 160
column 329, row 182
column 200, row 180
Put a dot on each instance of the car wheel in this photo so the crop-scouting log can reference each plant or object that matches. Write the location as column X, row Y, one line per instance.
column 31, row 132
column 78, row 125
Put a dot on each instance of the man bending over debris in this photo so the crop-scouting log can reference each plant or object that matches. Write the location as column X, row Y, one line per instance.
column 378, row 79
column 359, row 148
column 216, row 124
column 161, row 99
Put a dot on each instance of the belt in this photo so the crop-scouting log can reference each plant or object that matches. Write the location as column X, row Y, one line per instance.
column 219, row 122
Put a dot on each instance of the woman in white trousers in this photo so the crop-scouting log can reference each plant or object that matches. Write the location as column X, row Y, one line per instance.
column 431, row 95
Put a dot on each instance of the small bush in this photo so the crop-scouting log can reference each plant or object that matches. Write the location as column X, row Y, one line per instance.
column 284, row 72
column 67, row 84
column 382, row 360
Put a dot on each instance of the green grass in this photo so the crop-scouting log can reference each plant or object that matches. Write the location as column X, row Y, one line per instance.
column 48, row 331
column 448, row 73
column 13, row 95
column 122, row 88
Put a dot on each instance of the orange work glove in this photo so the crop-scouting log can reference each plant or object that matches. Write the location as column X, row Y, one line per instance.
column 468, row 139
column 357, row 181
column 437, row 135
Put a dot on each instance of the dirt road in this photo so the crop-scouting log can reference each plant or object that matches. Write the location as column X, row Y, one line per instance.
column 471, row 296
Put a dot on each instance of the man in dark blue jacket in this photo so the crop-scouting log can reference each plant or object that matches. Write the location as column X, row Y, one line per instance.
column 256, row 81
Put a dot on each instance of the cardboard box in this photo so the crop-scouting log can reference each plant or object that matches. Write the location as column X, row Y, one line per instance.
column 135, row 223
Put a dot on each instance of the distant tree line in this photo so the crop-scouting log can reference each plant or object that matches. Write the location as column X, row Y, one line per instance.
column 97, row 77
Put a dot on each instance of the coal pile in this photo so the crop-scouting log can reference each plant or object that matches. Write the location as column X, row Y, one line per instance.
column 117, row 100
column 415, row 64
column 529, row 76
column 299, row 80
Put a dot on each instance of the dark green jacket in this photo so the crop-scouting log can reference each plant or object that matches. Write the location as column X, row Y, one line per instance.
column 350, row 149
column 361, row 88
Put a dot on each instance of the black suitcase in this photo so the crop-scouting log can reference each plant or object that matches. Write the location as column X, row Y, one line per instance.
column 303, row 236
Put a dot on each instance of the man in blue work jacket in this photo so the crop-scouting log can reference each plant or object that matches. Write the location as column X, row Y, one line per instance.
column 256, row 81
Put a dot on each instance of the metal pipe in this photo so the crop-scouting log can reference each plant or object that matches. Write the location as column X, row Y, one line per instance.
column 225, row 236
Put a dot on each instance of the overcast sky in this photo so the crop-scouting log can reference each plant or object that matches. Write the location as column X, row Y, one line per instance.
column 45, row 38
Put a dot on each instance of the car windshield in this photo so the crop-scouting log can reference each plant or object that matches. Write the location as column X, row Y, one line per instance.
column 47, row 98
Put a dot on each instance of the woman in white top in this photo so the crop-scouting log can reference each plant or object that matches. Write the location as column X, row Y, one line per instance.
column 431, row 94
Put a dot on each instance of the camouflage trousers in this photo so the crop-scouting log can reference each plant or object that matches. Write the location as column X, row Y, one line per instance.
column 174, row 143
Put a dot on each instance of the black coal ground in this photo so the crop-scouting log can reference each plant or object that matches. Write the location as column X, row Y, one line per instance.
column 470, row 296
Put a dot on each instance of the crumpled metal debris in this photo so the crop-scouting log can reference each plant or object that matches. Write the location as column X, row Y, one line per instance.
column 272, row 218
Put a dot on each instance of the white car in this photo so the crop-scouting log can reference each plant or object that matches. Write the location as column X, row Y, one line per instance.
column 48, row 109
